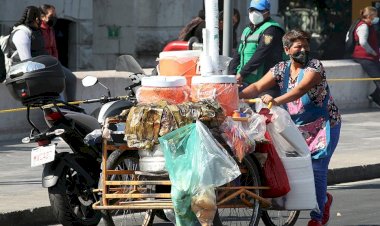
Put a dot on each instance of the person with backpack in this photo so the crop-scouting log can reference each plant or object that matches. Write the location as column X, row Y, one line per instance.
column 26, row 37
column 260, row 46
column 366, row 50
column 23, row 41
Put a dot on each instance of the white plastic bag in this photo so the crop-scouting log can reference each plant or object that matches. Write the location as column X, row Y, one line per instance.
column 296, row 158
column 286, row 137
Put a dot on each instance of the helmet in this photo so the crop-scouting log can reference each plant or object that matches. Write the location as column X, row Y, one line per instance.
column 260, row 4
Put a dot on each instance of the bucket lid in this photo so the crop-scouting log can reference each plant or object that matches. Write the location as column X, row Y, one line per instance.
column 163, row 81
column 213, row 79
column 179, row 54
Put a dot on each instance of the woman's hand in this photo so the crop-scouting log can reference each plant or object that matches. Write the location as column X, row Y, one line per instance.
column 239, row 79
column 268, row 99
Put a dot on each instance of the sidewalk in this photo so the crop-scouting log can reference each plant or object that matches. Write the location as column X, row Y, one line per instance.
column 25, row 202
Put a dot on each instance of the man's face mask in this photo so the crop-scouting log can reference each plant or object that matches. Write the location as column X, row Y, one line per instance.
column 256, row 17
column 301, row 57
column 52, row 21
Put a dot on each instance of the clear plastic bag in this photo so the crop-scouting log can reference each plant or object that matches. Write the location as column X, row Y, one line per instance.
column 203, row 205
column 241, row 136
column 194, row 160
column 226, row 94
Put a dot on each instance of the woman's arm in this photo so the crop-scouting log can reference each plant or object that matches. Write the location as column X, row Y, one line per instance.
column 311, row 79
column 362, row 31
column 253, row 90
column 23, row 44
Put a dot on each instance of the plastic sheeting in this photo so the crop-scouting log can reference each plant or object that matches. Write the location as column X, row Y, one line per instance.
column 195, row 162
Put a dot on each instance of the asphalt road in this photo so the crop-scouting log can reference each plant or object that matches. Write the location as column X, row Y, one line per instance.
column 355, row 204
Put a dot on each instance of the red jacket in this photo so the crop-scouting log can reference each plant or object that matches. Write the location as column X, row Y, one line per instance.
column 359, row 51
column 49, row 39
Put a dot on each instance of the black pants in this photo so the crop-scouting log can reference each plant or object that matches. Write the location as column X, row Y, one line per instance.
column 372, row 68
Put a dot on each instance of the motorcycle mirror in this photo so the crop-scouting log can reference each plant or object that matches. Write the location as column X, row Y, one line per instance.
column 25, row 140
column 89, row 81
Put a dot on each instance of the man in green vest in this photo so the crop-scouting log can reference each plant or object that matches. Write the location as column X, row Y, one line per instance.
column 260, row 46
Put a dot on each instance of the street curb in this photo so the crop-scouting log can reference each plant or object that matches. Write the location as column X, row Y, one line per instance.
column 352, row 174
column 44, row 215
column 28, row 217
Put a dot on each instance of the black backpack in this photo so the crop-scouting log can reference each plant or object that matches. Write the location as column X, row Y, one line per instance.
column 350, row 41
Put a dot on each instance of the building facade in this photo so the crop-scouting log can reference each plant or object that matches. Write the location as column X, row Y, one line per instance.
column 91, row 34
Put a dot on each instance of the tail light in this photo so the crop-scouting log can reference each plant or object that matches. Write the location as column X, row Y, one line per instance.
column 43, row 142
column 53, row 116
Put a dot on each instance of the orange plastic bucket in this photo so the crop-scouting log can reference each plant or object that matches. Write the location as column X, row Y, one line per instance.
column 222, row 88
column 179, row 63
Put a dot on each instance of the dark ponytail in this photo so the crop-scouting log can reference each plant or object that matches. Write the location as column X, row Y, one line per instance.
column 28, row 17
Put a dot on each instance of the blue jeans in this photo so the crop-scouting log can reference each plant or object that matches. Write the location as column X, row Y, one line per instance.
column 320, row 169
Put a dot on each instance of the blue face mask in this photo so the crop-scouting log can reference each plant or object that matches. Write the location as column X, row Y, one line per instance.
column 375, row 20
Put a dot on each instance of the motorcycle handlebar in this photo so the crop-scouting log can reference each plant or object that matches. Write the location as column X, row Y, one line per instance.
column 106, row 99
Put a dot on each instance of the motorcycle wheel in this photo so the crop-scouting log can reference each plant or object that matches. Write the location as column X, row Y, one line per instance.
column 126, row 160
column 71, row 200
column 280, row 218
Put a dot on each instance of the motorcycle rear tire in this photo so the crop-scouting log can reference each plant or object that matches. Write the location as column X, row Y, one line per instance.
column 63, row 207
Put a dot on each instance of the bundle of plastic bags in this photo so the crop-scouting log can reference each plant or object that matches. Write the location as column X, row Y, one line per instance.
column 197, row 164
column 241, row 137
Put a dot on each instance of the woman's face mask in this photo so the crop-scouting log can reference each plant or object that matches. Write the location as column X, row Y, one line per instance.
column 52, row 21
column 301, row 57
column 375, row 20
column 256, row 17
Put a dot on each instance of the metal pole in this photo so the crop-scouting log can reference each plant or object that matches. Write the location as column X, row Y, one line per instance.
column 227, row 28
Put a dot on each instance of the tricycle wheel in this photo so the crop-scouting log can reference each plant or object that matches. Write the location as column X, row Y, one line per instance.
column 125, row 160
column 280, row 217
column 243, row 216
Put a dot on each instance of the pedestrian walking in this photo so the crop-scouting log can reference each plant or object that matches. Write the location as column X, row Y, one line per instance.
column 305, row 94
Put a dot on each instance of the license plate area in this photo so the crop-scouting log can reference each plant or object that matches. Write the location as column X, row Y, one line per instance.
column 42, row 154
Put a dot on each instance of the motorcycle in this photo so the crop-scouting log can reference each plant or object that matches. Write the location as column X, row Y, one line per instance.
column 70, row 177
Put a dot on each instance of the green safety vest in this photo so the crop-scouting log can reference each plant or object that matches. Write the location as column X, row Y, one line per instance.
column 248, row 45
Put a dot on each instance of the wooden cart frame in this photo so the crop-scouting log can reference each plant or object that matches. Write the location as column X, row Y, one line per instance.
column 138, row 200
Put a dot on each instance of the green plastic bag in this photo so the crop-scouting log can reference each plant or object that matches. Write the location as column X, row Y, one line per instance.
column 194, row 160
